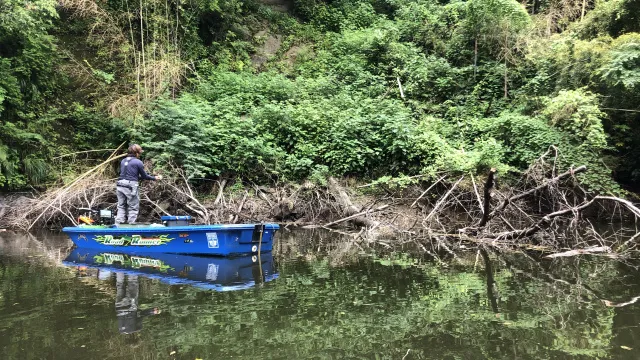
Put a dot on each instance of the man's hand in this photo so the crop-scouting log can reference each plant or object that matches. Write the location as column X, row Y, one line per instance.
column 158, row 177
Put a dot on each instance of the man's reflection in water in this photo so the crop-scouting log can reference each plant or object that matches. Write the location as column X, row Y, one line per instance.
column 129, row 317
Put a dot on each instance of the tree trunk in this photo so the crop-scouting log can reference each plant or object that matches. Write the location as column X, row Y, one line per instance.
column 533, row 8
column 475, row 58
column 486, row 206
column 506, row 80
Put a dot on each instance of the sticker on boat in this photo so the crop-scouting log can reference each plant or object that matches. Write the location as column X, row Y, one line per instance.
column 134, row 240
column 212, row 240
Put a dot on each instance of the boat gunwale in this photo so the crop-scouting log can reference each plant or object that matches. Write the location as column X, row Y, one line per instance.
column 164, row 229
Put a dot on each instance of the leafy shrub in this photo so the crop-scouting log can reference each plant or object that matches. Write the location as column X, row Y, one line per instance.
column 189, row 132
column 576, row 112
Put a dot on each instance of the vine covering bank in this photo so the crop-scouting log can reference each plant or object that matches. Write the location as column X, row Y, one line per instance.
column 371, row 89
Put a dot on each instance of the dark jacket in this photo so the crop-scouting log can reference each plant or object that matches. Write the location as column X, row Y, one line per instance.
column 131, row 168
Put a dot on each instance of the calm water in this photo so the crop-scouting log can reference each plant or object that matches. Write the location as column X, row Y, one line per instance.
column 318, row 296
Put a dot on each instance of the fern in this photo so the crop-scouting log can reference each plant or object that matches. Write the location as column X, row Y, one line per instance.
column 35, row 169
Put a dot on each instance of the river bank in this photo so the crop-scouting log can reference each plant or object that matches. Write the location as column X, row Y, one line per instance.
column 548, row 211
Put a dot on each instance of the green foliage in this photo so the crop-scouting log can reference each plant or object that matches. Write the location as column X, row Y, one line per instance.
column 27, row 61
column 207, row 143
column 577, row 113
column 622, row 66
column 381, row 89
column 611, row 17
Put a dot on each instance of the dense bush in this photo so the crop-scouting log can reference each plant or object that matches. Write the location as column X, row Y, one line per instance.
column 365, row 88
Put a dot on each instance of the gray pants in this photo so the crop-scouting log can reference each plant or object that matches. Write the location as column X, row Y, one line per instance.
column 128, row 196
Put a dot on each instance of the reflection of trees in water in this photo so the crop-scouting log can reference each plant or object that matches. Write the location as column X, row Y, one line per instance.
column 556, row 301
column 363, row 307
column 339, row 247
column 556, row 304
column 50, row 247
column 314, row 243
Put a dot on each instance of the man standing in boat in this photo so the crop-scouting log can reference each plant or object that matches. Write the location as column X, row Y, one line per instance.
column 131, row 172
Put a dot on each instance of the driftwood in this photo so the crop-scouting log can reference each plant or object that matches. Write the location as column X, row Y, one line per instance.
column 591, row 250
column 263, row 196
column 356, row 215
column 58, row 196
column 353, row 212
column 524, row 194
column 501, row 226
column 234, row 217
column 426, row 191
column 546, row 220
column 220, row 196
column 442, row 200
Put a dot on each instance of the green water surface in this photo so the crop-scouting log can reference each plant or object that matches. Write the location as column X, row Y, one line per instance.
column 331, row 300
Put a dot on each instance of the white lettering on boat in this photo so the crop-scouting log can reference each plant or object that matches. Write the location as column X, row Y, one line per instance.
column 137, row 240
column 109, row 240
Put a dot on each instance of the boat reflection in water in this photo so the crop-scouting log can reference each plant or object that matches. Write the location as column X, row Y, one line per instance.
column 210, row 273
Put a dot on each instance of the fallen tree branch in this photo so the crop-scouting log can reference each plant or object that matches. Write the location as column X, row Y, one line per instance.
column 146, row 197
column 475, row 190
column 355, row 216
column 632, row 239
column 425, row 192
column 235, row 217
column 622, row 304
column 64, row 190
column 443, row 199
column 262, row 196
column 591, row 250
column 347, row 206
column 510, row 200
column 220, row 191
column 546, row 220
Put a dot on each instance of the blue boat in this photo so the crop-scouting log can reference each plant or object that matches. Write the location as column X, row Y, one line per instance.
column 211, row 273
column 175, row 235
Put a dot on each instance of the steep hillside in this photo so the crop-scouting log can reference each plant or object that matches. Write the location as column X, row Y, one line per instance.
column 293, row 90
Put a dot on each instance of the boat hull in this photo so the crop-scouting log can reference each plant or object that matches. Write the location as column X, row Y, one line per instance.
column 222, row 240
